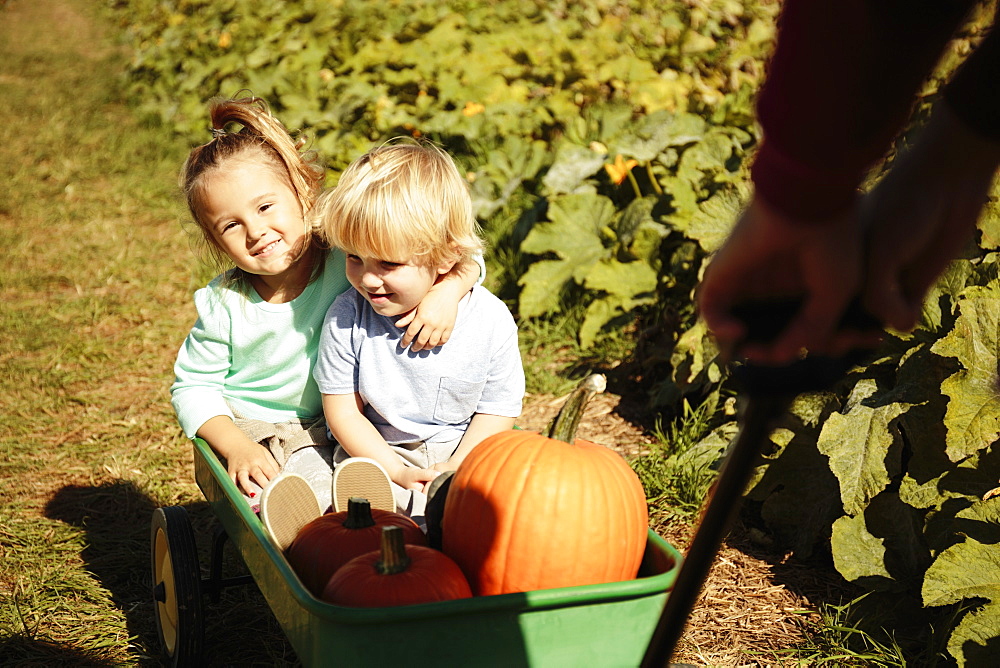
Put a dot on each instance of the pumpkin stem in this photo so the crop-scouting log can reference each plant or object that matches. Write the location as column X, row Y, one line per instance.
column 393, row 559
column 564, row 424
column 359, row 513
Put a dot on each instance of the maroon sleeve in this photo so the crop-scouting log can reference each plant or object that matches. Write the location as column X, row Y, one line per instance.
column 839, row 87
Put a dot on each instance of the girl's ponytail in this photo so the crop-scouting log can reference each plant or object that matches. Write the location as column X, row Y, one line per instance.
column 260, row 130
column 259, row 136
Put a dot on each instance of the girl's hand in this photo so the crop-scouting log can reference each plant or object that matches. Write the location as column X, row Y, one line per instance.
column 246, row 461
column 430, row 324
column 251, row 463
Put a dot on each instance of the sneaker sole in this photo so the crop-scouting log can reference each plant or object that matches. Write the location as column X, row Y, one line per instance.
column 287, row 505
column 365, row 478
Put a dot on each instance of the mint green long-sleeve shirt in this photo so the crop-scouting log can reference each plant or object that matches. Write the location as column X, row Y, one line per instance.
column 252, row 355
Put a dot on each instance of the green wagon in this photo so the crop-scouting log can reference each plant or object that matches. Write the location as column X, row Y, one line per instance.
column 607, row 624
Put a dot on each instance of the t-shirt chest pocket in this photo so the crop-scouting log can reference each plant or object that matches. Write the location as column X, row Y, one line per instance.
column 457, row 399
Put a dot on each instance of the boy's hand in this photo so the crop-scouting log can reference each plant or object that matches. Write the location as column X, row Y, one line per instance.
column 414, row 478
column 444, row 467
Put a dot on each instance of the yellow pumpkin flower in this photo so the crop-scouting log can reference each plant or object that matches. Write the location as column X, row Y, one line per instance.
column 225, row 40
column 620, row 168
column 473, row 108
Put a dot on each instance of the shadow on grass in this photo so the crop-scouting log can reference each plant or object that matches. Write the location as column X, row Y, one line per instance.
column 24, row 651
column 239, row 627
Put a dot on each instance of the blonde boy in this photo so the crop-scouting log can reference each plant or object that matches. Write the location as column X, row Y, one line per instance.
column 403, row 215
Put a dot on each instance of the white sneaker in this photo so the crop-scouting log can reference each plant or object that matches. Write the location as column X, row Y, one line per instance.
column 286, row 505
column 365, row 478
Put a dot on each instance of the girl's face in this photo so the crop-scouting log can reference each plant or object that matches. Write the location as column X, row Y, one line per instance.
column 255, row 218
column 392, row 288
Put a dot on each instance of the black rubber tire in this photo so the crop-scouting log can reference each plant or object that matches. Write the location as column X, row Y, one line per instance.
column 176, row 586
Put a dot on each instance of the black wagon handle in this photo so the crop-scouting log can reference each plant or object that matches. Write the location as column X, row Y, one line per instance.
column 769, row 390
column 765, row 320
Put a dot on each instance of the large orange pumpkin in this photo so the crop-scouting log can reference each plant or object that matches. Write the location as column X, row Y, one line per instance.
column 525, row 512
column 397, row 574
column 328, row 542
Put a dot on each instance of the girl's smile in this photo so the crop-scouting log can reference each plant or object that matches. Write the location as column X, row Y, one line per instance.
column 266, row 249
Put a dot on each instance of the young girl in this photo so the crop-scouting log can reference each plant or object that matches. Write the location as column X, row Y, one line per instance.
column 403, row 214
column 243, row 375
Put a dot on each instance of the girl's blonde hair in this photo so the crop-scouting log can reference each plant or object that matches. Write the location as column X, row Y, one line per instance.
column 261, row 138
column 403, row 200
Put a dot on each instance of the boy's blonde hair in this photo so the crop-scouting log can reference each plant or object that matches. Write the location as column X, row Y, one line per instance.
column 398, row 202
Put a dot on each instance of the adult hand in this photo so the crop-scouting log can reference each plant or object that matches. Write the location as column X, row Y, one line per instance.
column 922, row 213
column 770, row 256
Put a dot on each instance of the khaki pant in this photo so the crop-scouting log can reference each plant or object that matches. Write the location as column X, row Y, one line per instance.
column 300, row 447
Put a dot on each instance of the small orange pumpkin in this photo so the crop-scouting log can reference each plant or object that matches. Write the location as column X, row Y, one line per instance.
column 397, row 574
column 526, row 511
column 328, row 542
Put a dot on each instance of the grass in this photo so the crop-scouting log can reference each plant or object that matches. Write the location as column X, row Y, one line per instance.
column 838, row 638
column 678, row 468
column 96, row 291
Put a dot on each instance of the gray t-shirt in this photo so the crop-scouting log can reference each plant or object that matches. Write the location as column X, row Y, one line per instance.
column 431, row 395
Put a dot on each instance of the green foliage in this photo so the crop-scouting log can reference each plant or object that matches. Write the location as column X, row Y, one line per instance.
column 973, row 415
column 837, row 640
column 532, row 98
column 951, row 580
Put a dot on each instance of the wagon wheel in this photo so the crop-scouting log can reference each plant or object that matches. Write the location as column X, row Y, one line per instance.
column 176, row 586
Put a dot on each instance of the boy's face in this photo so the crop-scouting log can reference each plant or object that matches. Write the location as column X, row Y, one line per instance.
column 254, row 217
column 392, row 288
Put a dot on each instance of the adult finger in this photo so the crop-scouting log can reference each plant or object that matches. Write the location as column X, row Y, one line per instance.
column 716, row 296
column 884, row 297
